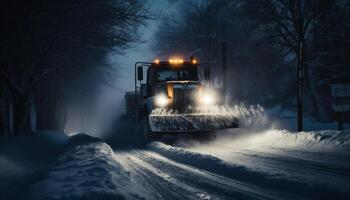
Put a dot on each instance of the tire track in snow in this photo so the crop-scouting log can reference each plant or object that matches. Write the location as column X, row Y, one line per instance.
column 239, row 171
column 226, row 187
column 305, row 167
column 158, row 174
column 158, row 183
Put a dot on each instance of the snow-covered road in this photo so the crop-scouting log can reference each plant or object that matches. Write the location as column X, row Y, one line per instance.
column 260, row 166
column 163, row 178
column 315, row 158
column 271, row 164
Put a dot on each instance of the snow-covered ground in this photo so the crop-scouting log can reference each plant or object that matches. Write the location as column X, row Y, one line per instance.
column 237, row 164
column 320, row 158
column 25, row 158
column 251, row 162
column 85, row 171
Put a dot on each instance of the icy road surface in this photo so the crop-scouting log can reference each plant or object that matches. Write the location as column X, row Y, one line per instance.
column 272, row 164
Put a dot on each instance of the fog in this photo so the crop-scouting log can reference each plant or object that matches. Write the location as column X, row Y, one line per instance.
column 109, row 104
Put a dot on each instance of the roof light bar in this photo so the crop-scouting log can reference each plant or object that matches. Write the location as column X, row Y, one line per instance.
column 176, row 61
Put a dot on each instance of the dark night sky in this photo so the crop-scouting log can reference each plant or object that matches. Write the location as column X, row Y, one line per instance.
column 141, row 52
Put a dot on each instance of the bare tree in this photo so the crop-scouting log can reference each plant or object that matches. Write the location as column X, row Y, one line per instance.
column 264, row 38
column 44, row 42
column 291, row 23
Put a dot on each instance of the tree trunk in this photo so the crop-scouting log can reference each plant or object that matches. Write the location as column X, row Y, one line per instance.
column 42, row 113
column 7, row 115
column 3, row 116
column 21, row 115
column 316, row 99
column 46, row 112
column 50, row 113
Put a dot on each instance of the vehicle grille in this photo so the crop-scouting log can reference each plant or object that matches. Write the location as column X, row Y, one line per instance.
column 183, row 97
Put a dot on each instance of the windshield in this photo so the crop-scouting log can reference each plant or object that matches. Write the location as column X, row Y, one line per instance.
column 177, row 75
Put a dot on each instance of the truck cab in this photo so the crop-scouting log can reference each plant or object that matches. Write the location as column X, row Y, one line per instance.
column 175, row 84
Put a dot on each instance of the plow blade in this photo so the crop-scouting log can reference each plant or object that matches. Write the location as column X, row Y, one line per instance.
column 191, row 122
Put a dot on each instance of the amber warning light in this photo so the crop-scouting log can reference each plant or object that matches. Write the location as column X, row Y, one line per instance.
column 176, row 61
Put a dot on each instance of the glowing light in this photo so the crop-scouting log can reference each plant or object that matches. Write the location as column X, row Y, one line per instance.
column 161, row 100
column 176, row 61
column 194, row 61
column 207, row 98
column 156, row 61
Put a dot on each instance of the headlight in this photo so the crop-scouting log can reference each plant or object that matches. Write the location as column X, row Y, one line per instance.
column 207, row 98
column 161, row 100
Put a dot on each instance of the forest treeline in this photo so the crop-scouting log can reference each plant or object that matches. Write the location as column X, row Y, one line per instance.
column 53, row 54
column 262, row 39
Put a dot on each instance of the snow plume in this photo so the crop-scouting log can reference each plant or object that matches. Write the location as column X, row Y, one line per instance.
column 212, row 117
column 249, row 115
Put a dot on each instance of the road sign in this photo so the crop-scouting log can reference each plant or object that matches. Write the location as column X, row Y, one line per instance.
column 340, row 94
column 341, row 107
column 340, row 90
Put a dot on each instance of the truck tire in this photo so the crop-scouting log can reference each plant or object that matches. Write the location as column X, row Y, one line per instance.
column 148, row 134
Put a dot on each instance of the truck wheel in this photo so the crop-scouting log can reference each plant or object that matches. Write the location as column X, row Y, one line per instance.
column 148, row 134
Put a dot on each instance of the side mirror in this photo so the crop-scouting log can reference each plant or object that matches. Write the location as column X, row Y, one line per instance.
column 139, row 73
column 207, row 74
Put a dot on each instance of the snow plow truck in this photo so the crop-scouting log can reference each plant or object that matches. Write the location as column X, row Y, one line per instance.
column 175, row 96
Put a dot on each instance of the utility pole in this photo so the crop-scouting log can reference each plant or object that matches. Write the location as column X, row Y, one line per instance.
column 300, row 79
column 223, row 52
column 300, row 66
column 224, row 69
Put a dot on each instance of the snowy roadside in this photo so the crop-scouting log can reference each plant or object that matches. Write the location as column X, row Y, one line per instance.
column 274, row 162
column 51, row 165
column 25, row 158
column 86, row 170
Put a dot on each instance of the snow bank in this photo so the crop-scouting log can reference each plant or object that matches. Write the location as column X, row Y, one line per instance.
column 326, row 140
column 86, row 170
column 274, row 139
column 202, row 161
